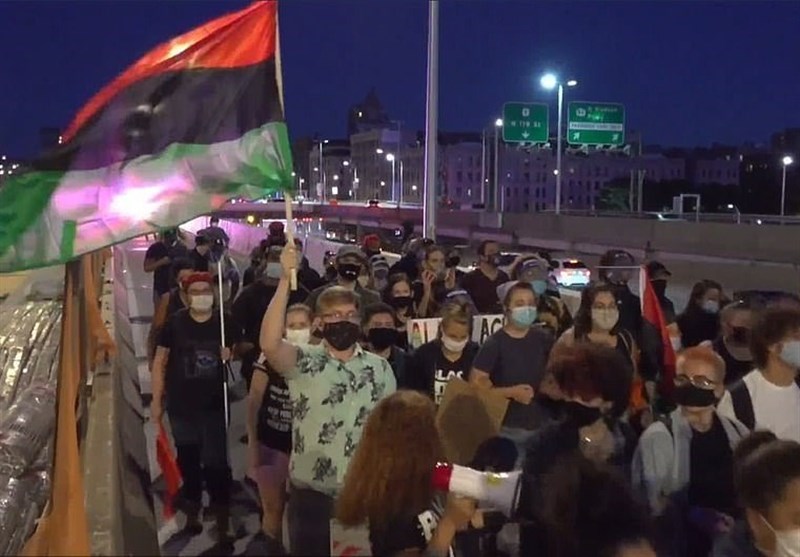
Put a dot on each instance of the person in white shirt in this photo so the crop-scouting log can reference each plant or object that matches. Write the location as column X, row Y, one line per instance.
column 769, row 396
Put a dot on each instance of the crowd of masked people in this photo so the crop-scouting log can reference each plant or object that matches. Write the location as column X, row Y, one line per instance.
column 342, row 413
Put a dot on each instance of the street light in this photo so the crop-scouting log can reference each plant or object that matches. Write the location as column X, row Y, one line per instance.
column 787, row 160
column 737, row 212
column 549, row 81
column 496, row 201
column 391, row 158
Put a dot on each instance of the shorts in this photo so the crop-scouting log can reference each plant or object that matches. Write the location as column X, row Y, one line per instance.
column 273, row 468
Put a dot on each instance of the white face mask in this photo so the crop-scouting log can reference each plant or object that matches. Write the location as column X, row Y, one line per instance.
column 677, row 345
column 298, row 336
column 790, row 353
column 605, row 319
column 787, row 542
column 453, row 345
column 201, row 302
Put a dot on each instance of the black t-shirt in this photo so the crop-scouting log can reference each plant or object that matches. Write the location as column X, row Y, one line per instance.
column 428, row 371
column 194, row 374
column 175, row 303
column 199, row 262
column 483, row 290
column 162, row 275
column 513, row 361
column 734, row 369
column 250, row 306
column 711, row 466
column 275, row 414
column 407, row 532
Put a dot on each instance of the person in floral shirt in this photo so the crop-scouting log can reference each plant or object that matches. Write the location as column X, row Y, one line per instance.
column 333, row 387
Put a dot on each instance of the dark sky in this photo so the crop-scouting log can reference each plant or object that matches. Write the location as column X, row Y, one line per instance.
column 689, row 72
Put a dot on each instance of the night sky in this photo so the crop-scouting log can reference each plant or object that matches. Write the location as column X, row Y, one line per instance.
column 690, row 73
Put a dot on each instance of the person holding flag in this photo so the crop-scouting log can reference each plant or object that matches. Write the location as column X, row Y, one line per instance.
column 188, row 370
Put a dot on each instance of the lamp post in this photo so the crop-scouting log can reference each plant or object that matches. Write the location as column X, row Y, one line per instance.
column 391, row 158
column 550, row 81
column 787, row 160
column 321, row 175
column 496, row 200
column 736, row 212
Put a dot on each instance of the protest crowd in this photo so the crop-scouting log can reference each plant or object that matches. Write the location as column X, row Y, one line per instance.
column 444, row 412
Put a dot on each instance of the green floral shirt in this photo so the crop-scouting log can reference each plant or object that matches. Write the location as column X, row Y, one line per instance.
column 331, row 400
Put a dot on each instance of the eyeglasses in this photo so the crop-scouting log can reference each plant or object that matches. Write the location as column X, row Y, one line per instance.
column 353, row 316
column 698, row 381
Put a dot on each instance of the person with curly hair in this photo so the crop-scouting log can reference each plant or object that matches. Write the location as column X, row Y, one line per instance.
column 389, row 483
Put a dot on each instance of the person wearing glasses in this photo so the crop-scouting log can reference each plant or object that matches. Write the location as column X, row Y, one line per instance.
column 333, row 388
column 684, row 462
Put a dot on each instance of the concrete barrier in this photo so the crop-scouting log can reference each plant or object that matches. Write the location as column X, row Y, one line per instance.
column 137, row 524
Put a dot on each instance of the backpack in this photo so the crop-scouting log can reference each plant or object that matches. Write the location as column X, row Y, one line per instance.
column 743, row 403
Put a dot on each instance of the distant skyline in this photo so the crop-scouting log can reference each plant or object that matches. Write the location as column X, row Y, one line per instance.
column 689, row 72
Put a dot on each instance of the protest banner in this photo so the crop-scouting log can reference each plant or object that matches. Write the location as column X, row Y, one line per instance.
column 420, row 331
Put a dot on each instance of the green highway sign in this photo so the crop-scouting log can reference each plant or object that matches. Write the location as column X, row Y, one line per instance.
column 525, row 123
column 590, row 123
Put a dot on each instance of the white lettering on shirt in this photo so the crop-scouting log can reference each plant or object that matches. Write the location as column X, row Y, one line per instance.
column 440, row 380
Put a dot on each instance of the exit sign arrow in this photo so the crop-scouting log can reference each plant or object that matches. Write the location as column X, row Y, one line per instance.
column 525, row 135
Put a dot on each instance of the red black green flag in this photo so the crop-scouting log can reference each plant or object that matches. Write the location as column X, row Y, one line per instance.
column 196, row 121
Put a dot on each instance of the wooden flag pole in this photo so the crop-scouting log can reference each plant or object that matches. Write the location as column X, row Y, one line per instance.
column 287, row 197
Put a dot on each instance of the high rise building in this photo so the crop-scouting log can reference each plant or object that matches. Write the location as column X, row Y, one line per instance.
column 367, row 115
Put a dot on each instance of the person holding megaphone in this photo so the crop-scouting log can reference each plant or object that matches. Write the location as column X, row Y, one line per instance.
column 390, row 483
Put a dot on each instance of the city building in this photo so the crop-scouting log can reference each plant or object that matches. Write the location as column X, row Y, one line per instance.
column 331, row 173
column 9, row 166
column 367, row 115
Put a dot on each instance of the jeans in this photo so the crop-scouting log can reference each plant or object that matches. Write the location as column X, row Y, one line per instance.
column 201, row 442
column 309, row 514
column 520, row 437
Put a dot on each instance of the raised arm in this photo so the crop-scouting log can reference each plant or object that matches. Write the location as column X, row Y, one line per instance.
column 281, row 355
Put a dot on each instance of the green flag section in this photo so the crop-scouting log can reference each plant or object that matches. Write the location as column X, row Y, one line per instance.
column 196, row 121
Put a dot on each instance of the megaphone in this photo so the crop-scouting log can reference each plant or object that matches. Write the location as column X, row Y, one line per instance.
column 491, row 490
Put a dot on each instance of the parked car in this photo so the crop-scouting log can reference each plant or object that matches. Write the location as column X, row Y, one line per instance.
column 570, row 273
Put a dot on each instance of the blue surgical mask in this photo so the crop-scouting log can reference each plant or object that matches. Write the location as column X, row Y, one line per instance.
column 274, row 270
column 524, row 316
column 790, row 353
column 711, row 306
column 539, row 286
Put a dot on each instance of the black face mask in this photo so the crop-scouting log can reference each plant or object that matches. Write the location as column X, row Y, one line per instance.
column 381, row 338
column 349, row 271
column 659, row 287
column 689, row 395
column 493, row 260
column 581, row 415
column 341, row 335
column 740, row 336
column 401, row 302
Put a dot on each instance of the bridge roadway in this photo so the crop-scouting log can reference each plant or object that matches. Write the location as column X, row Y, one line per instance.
column 128, row 308
column 741, row 257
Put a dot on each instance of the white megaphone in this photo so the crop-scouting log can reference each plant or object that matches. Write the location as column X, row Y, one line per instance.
column 498, row 491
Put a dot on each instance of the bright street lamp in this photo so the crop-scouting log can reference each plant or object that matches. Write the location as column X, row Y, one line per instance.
column 787, row 160
column 346, row 163
column 736, row 211
column 379, row 151
column 549, row 81
column 498, row 123
column 391, row 158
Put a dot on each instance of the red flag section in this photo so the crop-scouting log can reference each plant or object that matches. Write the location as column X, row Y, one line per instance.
column 169, row 469
column 242, row 38
column 651, row 311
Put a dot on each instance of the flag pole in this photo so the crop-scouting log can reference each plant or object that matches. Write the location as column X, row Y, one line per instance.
column 431, row 123
column 287, row 196
column 222, row 336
